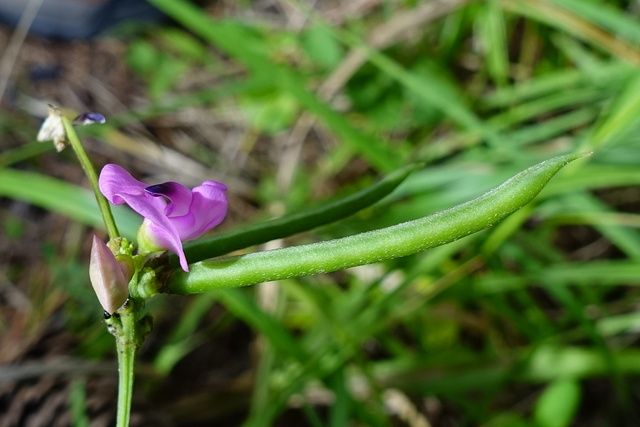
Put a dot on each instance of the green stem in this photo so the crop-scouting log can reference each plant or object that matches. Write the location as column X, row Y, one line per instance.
column 374, row 246
column 129, row 329
column 126, row 374
column 90, row 171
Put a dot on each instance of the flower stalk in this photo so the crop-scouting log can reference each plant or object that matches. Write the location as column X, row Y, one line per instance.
column 90, row 171
column 129, row 330
column 109, row 276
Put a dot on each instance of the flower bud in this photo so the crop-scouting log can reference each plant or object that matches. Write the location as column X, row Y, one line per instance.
column 109, row 278
column 88, row 119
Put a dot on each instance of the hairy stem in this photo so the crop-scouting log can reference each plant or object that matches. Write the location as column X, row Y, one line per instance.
column 129, row 328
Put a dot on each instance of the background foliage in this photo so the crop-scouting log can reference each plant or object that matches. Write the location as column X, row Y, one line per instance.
column 530, row 323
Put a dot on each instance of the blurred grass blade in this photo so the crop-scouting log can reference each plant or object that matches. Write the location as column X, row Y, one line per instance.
column 592, row 78
column 434, row 90
column 295, row 223
column 249, row 48
column 625, row 239
column 492, row 27
column 431, row 85
column 623, row 24
column 67, row 199
column 558, row 404
column 23, row 152
column 558, row 16
column 622, row 115
column 78, row 403
column 183, row 336
column 594, row 273
column 596, row 176
column 339, row 411
column 549, row 363
column 246, row 309
column 553, row 127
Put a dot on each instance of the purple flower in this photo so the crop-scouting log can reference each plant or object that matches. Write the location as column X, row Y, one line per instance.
column 172, row 213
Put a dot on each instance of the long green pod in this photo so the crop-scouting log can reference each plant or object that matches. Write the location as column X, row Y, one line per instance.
column 288, row 225
column 373, row 246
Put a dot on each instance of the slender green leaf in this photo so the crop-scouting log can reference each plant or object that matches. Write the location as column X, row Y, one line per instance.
column 67, row 199
column 297, row 222
column 253, row 52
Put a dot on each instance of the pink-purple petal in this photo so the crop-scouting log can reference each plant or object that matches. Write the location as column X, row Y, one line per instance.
column 169, row 240
column 178, row 195
column 210, row 202
column 119, row 187
column 115, row 181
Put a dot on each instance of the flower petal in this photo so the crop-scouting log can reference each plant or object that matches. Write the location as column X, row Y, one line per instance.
column 119, row 187
column 161, row 238
column 115, row 182
column 209, row 205
column 179, row 196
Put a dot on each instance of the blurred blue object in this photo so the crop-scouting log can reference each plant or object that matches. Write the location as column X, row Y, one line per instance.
column 78, row 19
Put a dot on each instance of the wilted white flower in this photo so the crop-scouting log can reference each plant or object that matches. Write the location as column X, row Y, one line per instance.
column 52, row 129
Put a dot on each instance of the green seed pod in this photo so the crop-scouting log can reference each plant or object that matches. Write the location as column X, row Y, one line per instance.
column 373, row 246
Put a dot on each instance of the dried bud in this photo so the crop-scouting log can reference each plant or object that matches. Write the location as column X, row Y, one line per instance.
column 52, row 129
column 109, row 278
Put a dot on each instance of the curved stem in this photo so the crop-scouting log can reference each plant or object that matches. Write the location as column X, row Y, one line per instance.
column 374, row 246
column 90, row 171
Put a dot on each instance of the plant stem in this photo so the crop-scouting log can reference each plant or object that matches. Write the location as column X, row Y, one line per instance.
column 90, row 171
column 126, row 370
column 129, row 330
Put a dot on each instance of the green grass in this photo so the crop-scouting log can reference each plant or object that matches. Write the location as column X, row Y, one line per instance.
column 493, row 330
